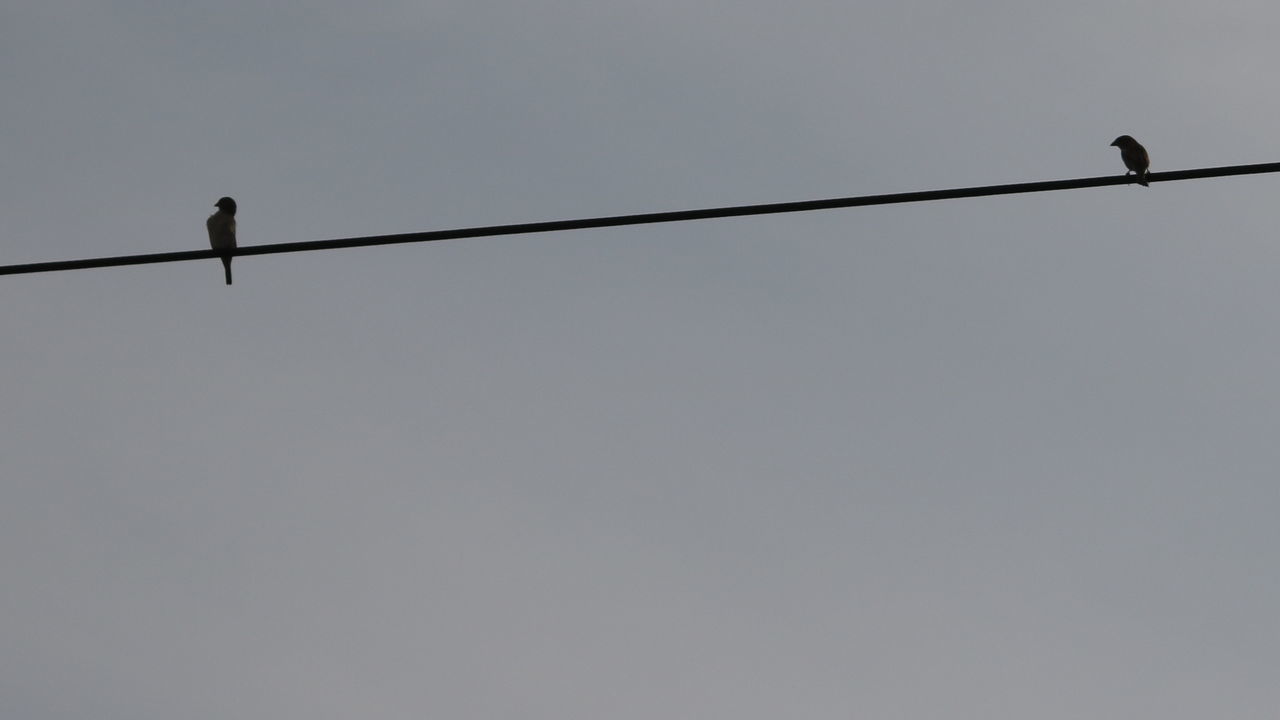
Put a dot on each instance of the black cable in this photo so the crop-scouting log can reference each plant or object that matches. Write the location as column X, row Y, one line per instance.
column 641, row 219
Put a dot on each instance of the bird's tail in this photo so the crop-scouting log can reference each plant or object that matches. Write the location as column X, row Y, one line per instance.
column 226, row 266
column 1142, row 180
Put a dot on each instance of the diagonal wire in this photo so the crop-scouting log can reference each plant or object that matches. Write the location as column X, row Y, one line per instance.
column 640, row 219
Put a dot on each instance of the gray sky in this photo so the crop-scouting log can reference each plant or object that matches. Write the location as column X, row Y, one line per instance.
column 997, row 459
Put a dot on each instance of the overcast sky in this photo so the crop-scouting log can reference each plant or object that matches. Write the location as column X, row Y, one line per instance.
column 991, row 459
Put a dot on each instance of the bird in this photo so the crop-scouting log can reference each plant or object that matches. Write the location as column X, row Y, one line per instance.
column 222, row 230
column 1134, row 156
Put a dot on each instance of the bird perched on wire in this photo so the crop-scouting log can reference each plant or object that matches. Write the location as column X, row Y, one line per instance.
column 222, row 230
column 1134, row 156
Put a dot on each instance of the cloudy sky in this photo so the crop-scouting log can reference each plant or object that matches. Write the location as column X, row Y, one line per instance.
column 1000, row 458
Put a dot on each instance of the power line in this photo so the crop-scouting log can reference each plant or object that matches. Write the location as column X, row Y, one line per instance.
column 640, row 219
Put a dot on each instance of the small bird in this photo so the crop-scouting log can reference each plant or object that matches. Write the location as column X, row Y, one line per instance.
column 222, row 230
column 1134, row 156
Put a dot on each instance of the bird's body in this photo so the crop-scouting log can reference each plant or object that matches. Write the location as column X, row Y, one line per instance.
column 222, row 231
column 1134, row 156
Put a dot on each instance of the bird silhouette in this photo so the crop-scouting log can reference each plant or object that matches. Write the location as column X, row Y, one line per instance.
column 222, row 231
column 1134, row 156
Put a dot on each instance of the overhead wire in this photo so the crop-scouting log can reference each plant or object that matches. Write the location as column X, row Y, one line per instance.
column 637, row 219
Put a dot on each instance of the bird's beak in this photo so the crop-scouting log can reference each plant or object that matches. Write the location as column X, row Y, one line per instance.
column 1113, row 143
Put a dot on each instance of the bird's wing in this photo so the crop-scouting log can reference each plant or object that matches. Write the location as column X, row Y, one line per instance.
column 222, row 230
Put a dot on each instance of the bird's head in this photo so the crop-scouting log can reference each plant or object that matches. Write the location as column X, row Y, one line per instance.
column 226, row 205
column 1124, row 141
